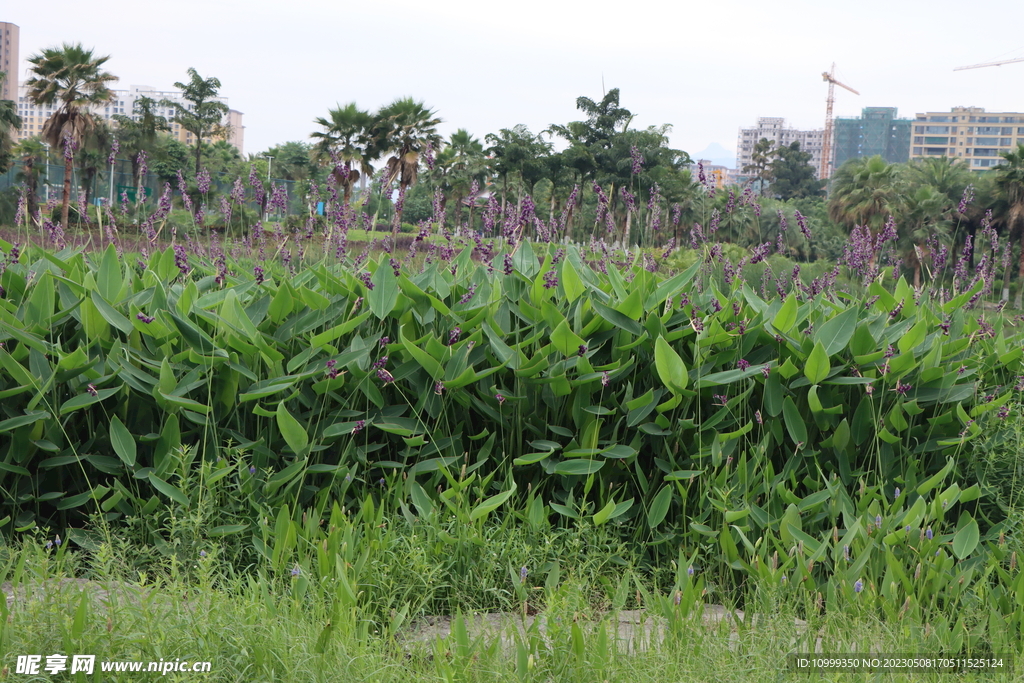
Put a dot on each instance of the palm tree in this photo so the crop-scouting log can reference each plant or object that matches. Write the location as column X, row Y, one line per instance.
column 925, row 213
column 347, row 139
column 864, row 191
column 138, row 132
column 9, row 122
column 72, row 77
column 405, row 128
column 1010, row 181
column 458, row 165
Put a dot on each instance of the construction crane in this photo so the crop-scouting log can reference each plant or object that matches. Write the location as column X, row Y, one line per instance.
column 826, row 143
column 978, row 66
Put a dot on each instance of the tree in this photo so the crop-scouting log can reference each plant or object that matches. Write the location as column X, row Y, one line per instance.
column 347, row 139
column 457, row 166
column 865, row 191
column 94, row 155
column 72, row 77
column 761, row 162
column 792, row 174
column 516, row 152
column 1010, row 181
column 405, row 128
column 32, row 153
column 138, row 132
column 9, row 122
column 204, row 116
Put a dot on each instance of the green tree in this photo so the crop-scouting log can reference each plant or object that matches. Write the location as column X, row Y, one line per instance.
column 792, row 175
column 138, row 133
column 405, row 129
column 31, row 153
column 72, row 77
column 865, row 191
column 761, row 162
column 204, row 114
column 1010, row 181
column 348, row 139
column 9, row 122
column 94, row 156
column 517, row 154
column 459, row 164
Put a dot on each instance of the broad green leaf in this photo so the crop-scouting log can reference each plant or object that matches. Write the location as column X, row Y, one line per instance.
column 108, row 280
column 966, row 540
column 659, row 506
column 384, row 295
column 565, row 340
column 571, row 283
column 291, row 430
column 794, row 421
column 605, row 513
column 786, row 317
column 122, row 441
column 817, row 367
column 169, row 490
column 568, row 468
column 670, row 366
column 491, row 504
column 835, row 334
column 913, row 337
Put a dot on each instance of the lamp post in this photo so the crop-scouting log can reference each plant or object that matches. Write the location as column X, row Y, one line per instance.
column 270, row 185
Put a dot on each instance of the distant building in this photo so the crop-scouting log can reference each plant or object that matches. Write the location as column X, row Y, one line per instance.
column 969, row 133
column 876, row 132
column 775, row 130
column 716, row 175
column 9, row 57
column 123, row 102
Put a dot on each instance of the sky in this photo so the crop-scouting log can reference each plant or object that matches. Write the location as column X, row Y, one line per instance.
column 706, row 68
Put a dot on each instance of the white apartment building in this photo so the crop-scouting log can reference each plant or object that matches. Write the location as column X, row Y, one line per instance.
column 34, row 116
column 775, row 129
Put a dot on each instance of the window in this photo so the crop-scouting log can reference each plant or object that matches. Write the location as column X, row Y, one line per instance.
column 937, row 129
column 936, row 141
column 941, row 119
column 1011, row 119
column 917, row 151
column 1005, row 142
column 986, row 152
column 935, row 151
column 919, row 140
column 969, row 140
column 988, row 130
column 988, row 141
column 918, row 129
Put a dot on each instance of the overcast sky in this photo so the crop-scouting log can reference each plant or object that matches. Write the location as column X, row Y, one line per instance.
column 707, row 68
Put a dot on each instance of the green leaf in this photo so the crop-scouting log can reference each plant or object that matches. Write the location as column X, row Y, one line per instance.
column 659, row 506
column 835, row 334
column 913, row 337
column 565, row 340
column 786, row 317
column 817, row 367
column 966, row 540
column 491, row 504
column 122, row 441
column 384, row 295
column 794, row 421
column 617, row 319
column 605, row 513
column 670, row 366
column 172, row 492
column 291, row 430
column 571, row 283
column 108, row 280
column 569, row 468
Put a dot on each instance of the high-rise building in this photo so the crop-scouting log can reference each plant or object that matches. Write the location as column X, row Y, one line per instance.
column 969, row 133
column 876, row 132
column 123, row 102
column 776, row 131
column 9, row 57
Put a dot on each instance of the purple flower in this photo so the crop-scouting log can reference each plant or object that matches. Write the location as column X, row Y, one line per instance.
column 258, row 272
column 966, row 199
column 92, row 390
column 252, row 469
column 296, row 571
column 858, row 586
column 757, row 417
column 605, row 378
column 360, row 424
column 56, row 540
column 385, row 376
column 896, row 493
column 550, row 279
column 742, row 364
column 202, row 553
column 438, row 387
column 582, row 350
column 689, row 570
column 846, row 553
column 181, row 259
column 468, row 295
column 380, row 362
column 454, row 335
column 928, row 534
column 1003, row 412
column 499, row 398
column 522, row 573
column 144, row 318
column 637, row 159
column 902, row 389
column 878, row 521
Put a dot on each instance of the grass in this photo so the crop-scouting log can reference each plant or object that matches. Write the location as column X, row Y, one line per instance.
column 255, row 625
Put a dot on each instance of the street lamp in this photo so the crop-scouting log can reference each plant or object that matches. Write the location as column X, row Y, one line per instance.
column 270, row 185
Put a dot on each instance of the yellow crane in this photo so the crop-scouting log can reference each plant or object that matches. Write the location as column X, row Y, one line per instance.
column 999, row 63
column 826, row 143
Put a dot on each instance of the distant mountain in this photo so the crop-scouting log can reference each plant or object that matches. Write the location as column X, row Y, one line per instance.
column 717, row 155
